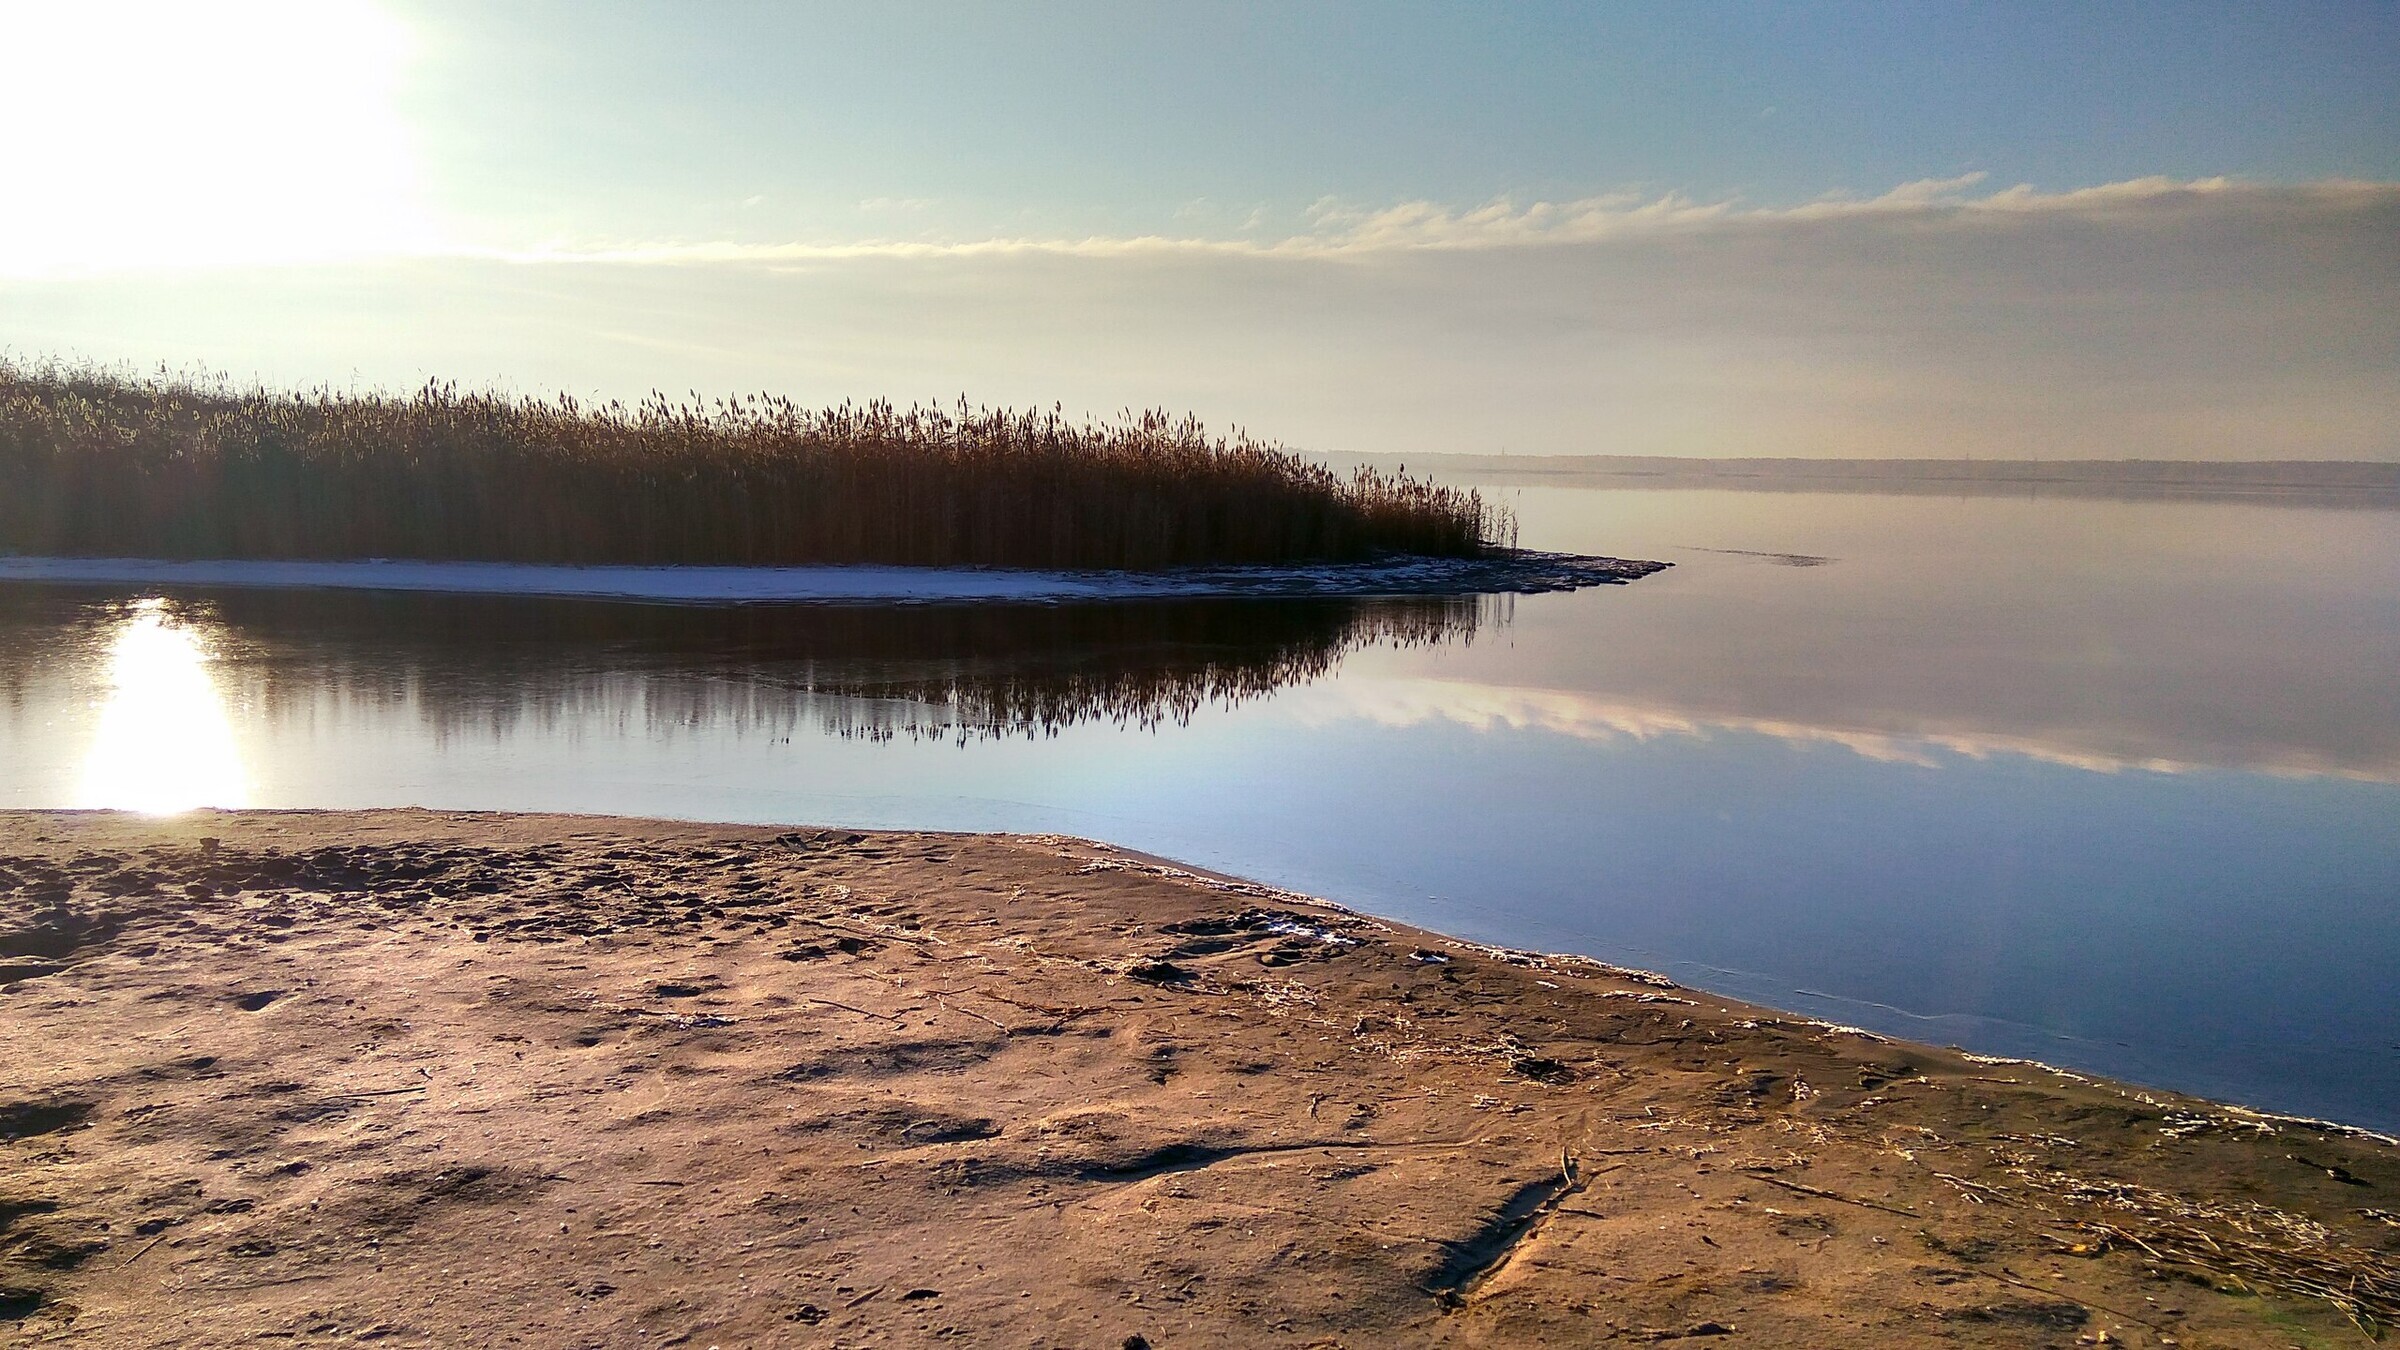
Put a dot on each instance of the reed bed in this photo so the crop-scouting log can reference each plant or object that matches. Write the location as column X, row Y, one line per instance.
column 99, row 463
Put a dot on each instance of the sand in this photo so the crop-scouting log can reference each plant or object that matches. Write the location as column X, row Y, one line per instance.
column 413, row 1078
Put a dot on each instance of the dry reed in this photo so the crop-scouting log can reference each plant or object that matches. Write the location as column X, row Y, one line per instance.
column 99, row 463
column 2245, row 1244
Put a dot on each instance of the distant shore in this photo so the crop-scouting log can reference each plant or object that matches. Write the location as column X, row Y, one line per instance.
column 1511, row 571
column 449, row 1079
column 2317, row 483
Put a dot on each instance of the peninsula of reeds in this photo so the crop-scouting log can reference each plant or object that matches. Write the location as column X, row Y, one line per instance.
column 103, row 464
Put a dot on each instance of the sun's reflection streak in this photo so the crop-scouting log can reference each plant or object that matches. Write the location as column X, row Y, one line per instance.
column 164, row 743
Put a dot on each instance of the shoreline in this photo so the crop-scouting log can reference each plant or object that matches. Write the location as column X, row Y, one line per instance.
column 447, row 1078
column 1516, row 571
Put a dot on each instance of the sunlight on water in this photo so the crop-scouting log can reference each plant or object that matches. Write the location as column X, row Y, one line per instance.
column 164, row 742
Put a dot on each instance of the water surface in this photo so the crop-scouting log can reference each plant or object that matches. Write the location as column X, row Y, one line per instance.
column 2114, row 785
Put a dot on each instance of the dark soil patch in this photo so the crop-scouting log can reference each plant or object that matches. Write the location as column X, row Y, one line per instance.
column 24, row 1120
column 17, row 1304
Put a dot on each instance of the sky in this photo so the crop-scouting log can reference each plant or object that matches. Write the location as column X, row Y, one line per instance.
column 2020, row 230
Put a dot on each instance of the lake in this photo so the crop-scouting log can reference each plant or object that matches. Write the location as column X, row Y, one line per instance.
column 2109, row 784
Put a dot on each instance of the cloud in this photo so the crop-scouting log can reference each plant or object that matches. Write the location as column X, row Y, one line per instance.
column 1340, row 229
column 2151, row 318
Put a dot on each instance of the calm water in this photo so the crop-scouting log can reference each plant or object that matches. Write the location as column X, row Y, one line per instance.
column 2114, row 785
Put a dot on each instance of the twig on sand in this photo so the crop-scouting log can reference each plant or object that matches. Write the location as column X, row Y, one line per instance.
column 1060, row 1014
column 850, row 1007
column 1975, row 1191
column 858, row 927
column 947, row 1006
column 1831, row 1195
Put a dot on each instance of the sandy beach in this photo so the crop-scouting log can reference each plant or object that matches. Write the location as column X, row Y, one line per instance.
column 417, row 1078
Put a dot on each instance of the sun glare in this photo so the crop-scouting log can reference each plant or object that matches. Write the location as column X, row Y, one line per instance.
column 148, row 133
column 164, row 743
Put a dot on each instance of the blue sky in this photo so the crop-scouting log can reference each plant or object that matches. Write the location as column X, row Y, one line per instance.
column 907, row 119
column 2167, row 230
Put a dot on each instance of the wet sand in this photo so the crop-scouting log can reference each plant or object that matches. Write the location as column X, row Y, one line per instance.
column 415, row 1078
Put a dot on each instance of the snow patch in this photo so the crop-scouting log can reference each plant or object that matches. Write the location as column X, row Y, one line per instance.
column 1517, row 572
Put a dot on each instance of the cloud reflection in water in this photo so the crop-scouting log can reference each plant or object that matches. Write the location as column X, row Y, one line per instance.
column 1405, row 702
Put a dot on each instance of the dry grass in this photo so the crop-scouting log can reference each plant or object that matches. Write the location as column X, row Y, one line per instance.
column 99, row 463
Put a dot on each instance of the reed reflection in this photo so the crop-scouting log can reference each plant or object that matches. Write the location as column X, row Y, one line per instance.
column 163, row 743
column 482, row 665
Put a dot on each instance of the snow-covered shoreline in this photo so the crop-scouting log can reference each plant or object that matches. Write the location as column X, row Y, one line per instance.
column 1517, row 572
